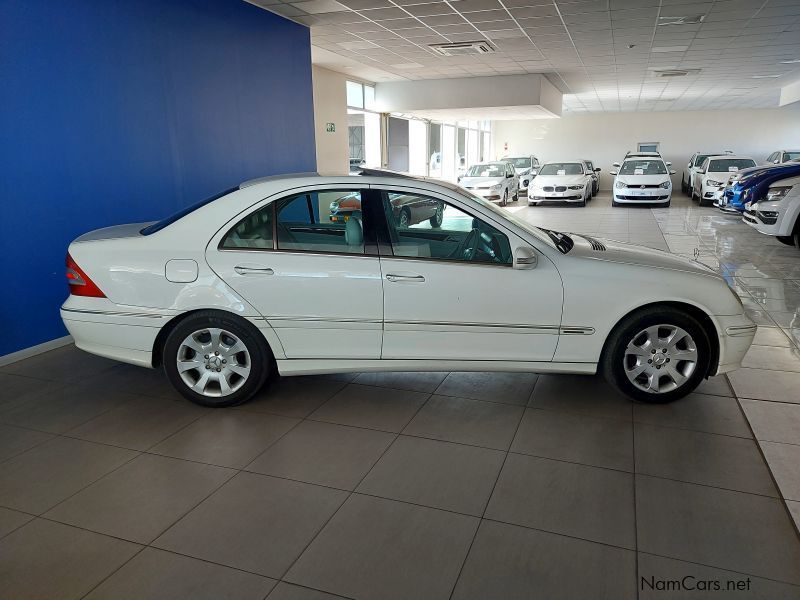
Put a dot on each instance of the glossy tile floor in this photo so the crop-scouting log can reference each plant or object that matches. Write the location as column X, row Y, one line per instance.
column 411, row 486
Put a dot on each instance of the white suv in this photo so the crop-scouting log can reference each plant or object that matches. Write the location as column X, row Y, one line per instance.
column 712, row 177
column 778, row 213
column 642, row 178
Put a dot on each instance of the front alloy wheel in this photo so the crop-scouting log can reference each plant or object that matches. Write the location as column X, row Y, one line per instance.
column 660, row 358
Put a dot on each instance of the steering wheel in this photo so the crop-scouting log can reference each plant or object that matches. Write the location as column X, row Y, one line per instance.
column 469, row 245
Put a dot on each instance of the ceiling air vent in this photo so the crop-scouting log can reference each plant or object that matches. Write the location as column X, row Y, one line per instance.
column 462, row 48
column 674, row 72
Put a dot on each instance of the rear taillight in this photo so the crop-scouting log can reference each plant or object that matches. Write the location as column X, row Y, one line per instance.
column 79, row 282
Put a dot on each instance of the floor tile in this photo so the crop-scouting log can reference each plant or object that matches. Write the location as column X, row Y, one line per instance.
column 134, row 380
column 689, row 582
column 588, row 394
column 65, row 364
column 382, row 549
column 515, row 563
column 11, row 520
column 374, row 408
column 762, row 384
column 773, row 358
column 566, row 498
column 487, row 424
column 289, row 591
column 15, row 440
column 794, row 511
column 64, row 408
column 324, row 453
column 418, row 381
column 784, row 462
column 141, row 499
column 698, row 412
column 507, row 388
column 17, row 389
column 256, row 523
column 139, row 424
column 772, row 336
column 705, row 458
column 576, row 438
column 228, row 438
column 720, row 528
column 436, row 474
column 51, row 472
column 45, row 560
column 773, row 421
column 716, row 386
column 294, row 396
column 154, row 574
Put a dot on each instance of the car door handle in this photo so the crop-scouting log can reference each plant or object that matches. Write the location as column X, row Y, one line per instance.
column 247, row 270
column 405, row 278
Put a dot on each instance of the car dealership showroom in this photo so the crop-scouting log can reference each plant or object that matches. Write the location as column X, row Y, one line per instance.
column 400, row 299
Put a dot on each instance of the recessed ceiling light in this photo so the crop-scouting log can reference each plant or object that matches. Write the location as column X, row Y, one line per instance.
column 669, row 49
column 692, row 20
column 766, row 76
column 790, row 62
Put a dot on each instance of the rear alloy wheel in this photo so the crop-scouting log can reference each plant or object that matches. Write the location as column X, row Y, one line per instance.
column 405, row 219
column 657, row 355
column 215, row 360
column 438, row 216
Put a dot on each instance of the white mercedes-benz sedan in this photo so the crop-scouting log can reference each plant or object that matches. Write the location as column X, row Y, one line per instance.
column 260, row 280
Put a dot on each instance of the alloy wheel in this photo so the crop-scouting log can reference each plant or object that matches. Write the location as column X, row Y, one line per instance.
column 660, row 358
column 213, row 362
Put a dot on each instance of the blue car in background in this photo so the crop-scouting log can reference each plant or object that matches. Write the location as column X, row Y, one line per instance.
column 749, row 185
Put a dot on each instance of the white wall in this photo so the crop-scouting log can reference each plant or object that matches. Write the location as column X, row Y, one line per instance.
column 606, row 137
column 330, row 106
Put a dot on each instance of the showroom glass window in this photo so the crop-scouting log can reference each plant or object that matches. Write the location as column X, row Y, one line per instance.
column 429, row 228
column 321, row 221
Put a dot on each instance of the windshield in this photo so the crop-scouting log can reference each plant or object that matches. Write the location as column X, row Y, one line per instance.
column 730, row 164
column 523, row 162
column 490, row 170
column 700, row 158
column 643, row 167
column 561, row 169
column 787, row 156
column 183, row 212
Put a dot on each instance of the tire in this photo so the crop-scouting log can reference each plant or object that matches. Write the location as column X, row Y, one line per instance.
column 404, row 220
column 583, row 200
column 436, row 219
column 667, row 204
column 677, row 380
column 797, row 236
column 504, row 201
column 615, row 204
column 215, row 331
column 695, row 197
column 684, row 187
column 531, row 203
column 786, row 239
column 595, row 189
column 515, row 198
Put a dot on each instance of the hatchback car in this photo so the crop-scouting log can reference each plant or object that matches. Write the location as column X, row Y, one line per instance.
column 568, row 181
column 642, row 178
column 695, row 162
column 254, row 282
column 494, row 181
column 713, row 175
column 526, row 168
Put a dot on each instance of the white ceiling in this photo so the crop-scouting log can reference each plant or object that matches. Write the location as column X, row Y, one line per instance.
column 600, row 53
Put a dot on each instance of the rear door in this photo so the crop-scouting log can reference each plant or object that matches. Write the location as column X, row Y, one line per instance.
column 314, row 278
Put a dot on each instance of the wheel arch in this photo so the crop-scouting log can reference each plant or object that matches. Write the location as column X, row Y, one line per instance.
column 169, row 326
column 698, row 313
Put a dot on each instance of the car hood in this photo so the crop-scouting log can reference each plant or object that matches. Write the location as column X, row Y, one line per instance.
column 756, row 175
column 482, row 181
column 634, row 180
column 631, row 254
column 542, row 180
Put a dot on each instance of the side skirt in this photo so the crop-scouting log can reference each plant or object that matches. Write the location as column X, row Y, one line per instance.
column 324, row 366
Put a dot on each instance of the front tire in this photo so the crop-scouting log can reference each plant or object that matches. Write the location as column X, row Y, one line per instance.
column 657, row 355
column 504, row 201
column 438, row 217
column 216, row 360
column 786, row 239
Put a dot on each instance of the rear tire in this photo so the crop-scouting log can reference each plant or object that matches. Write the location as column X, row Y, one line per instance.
column 786, row 239
column 238, row 366
column 504, row 201
column 634, row 360
column 438, row 217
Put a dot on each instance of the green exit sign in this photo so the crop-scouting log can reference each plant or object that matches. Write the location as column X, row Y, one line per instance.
column 330, row 127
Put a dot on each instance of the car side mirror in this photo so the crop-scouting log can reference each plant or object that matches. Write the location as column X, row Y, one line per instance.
column 612, row 172
column 776, row 161
column 669, row 164
column 525, row 258
column 597, row 170
column 615, row 164
column 673, row 172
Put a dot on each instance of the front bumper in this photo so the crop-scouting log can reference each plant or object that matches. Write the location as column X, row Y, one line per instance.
column 539, row 195
column 485, row 193
column 764, row 217
column 735, row 338
column 635, row 196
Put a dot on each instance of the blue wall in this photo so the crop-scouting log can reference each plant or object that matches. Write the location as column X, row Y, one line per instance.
column 115, row 111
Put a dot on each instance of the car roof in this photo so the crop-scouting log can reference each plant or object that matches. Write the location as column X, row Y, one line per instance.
column 727, row 156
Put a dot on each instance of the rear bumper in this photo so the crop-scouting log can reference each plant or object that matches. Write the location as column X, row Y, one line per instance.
column 735, row 338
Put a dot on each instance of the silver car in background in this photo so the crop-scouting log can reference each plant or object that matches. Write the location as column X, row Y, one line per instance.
column 495, row 181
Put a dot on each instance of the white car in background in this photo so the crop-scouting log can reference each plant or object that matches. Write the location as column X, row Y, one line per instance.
column 781, row 156
column 258, row 281
column 564, row 181
column 712, row 177
column 695, row 162
column 495, row 181
column 778, row 213
column 643, row 177
column 526, row 168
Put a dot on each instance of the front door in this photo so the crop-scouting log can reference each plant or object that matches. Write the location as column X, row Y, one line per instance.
column 450, row 292
column 303, row 263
